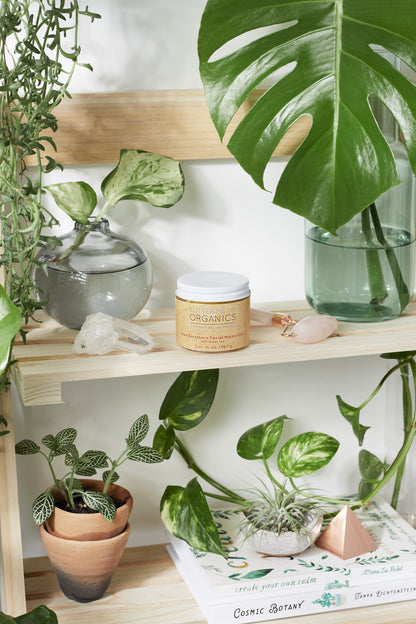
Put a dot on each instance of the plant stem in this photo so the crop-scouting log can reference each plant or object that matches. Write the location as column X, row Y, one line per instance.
column 376, row 282
column 402, row 289
column 407, row 424
column 187, row 457
column 401, row 456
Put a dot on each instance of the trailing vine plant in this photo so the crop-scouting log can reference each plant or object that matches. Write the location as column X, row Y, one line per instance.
column 39, row 51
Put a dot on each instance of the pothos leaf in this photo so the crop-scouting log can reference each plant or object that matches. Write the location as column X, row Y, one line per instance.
column 164, row 441
column 261, row 441
column 352, row 415
column 76, row 199
column 371, row 468
column 306, row 453
column 144, row 176
column 189, row 399
column 39, row 615
column 186, row 514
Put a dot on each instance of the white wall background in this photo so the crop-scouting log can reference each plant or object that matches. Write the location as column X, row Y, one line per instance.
column 223, row 222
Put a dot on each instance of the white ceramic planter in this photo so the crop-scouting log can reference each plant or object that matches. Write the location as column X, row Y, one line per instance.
column 287, row 543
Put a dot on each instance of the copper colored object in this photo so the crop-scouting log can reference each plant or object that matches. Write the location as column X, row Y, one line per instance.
column 345, row 536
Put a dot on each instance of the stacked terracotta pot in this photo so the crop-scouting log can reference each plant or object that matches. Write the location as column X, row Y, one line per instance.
column 85, row 549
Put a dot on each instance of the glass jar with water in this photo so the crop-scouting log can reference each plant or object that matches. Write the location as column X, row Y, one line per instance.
column 93, row 271
column 367, row 271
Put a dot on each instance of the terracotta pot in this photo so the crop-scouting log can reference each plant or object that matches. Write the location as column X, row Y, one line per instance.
column 81, row 527
column 84, row 569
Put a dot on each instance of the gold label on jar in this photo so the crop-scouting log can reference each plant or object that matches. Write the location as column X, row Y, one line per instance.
column 213, row 327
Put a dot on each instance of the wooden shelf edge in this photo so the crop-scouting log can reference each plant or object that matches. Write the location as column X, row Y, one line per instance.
column 46, row 360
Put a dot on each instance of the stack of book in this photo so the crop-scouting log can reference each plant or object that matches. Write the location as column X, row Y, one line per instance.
column 250, row 587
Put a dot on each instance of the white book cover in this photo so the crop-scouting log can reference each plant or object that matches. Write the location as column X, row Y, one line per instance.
column 313, row 581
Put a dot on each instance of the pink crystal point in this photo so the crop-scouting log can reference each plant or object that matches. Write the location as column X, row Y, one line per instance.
column 314, row 328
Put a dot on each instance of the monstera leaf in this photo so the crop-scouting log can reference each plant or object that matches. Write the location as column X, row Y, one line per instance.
column 321, row 62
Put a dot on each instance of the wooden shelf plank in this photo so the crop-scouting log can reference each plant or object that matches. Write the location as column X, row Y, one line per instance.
column 93, row 127
column 146, row 587
column 46, row 360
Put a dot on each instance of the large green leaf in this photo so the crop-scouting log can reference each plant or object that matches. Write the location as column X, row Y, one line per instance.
column 144, row 176
column 327, row 68
column 189, row 399
column 39, row 615
column 186, row 514
column 77, row 199
column 10, row 323
column 306, row 453
column 261, row 441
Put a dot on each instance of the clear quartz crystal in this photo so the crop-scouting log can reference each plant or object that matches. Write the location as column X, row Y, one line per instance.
column 94, row 271
column 102, row 334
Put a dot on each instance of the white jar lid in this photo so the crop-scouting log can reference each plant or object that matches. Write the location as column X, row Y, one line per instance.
column 215, row 286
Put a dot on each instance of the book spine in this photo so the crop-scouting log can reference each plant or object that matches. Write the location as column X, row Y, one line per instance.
column 257, row 609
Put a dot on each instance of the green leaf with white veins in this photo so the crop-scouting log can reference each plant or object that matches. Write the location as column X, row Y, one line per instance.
column 185, row 513
column 100, row 502
column 306, row 453
column 138, row 430
column 145, row 454
column 76, row 199
column 319, row 60
column 27, row 447
column 43, row 507
column 143, row 176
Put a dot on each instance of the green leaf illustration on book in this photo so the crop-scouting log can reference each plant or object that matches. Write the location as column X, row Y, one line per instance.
column 254, row 574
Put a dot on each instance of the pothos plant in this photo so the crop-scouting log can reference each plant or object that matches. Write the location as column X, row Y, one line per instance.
column 185, row 510
column 139, row 175
column 39, row 50
column 85, row 465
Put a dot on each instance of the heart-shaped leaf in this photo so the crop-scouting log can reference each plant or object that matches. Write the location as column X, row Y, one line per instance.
column 189, row 399
column 306, row 453
column 76, row 199
column 261, row 441
column 185, row 513
column 10, row 323
column 352, row 415
column 164, row 441
column 371, row 468
column 320, row 61
column 143, row 176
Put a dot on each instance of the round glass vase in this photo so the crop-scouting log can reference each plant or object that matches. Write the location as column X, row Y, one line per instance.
column 94, row 270
column 366, row 272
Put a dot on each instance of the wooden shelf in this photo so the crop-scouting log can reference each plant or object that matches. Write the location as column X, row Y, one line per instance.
column 46, row 360
column 147, row 588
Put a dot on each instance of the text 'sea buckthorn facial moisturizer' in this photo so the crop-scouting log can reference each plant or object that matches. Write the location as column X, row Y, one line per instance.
column 213, row 311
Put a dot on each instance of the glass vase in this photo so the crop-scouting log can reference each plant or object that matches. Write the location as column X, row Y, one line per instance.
column 94, row 270
column 366, row 272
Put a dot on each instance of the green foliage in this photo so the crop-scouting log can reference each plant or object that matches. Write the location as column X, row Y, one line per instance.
column 77, row 199
column 39, row 50
column 189, row 399
column 185, row 511
column 10, row 323
column 85, row 465
column 40, row 615
column 319, row 60
column 352, row 415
